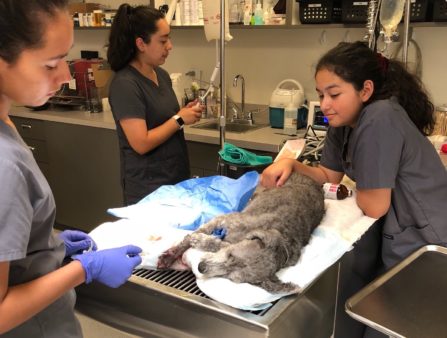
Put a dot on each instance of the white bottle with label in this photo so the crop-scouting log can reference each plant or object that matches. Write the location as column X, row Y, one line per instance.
column 290, row 118
column 176, row 79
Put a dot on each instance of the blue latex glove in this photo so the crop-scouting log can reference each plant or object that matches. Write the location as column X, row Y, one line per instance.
column 111, row 267
column 76, row 242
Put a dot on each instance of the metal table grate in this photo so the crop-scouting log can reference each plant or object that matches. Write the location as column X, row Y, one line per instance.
column 180, row 280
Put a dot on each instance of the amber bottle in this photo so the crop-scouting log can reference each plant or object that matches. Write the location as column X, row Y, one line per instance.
column 336, row 191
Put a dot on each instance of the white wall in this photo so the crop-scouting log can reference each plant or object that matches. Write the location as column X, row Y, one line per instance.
column 267, row 56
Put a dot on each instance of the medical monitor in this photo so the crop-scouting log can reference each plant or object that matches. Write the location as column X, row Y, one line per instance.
column 316, row 118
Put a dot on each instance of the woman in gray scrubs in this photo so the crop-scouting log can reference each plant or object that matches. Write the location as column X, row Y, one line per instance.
column 379, row 116
column 148, row 118
column 36, row 291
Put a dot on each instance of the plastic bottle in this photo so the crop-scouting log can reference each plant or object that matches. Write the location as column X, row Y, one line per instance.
column 247, row 18
column 336, row 191
column 252, row 18
column 176, row 85
column 266, row 17
column 290, row 118
column 259, row 15
column 234, row 13
column 76, row 19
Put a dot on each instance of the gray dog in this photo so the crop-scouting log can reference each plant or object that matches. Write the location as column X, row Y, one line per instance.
column 266, row 236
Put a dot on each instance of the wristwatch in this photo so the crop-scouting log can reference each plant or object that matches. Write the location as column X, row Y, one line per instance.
column 179, row 121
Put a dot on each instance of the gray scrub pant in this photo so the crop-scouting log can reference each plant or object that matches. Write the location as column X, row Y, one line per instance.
column 358, row 267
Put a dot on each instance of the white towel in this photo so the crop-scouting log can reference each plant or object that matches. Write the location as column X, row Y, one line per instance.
column 150, row 236
column 342, row 225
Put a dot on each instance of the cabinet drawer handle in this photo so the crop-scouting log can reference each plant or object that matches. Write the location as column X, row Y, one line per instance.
column 32, row 148
column 25, row 126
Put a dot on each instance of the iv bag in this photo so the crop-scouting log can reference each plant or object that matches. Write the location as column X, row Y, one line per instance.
column 391, row 12
column 211, row 19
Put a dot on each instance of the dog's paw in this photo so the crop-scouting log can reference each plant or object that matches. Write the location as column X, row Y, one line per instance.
column 167, row 258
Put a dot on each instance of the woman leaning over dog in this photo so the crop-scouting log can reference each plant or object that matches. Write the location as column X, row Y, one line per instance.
column 148, row 118
column 379, row 116
column 36, row 290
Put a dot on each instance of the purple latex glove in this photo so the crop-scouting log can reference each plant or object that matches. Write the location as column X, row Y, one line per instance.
column 111, row 267
column 76, row 242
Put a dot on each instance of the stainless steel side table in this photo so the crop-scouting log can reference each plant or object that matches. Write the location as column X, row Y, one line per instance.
column 410, row 300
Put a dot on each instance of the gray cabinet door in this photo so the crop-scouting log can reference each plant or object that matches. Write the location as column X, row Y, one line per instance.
column 84, row 173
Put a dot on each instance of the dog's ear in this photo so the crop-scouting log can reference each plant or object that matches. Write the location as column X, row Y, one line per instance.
column 269, row 238
column 257, row 236
column 275, row 242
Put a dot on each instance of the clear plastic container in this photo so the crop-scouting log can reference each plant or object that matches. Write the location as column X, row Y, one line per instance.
column 441, row 121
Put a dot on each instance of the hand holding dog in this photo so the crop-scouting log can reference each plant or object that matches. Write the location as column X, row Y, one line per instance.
column 276, row 174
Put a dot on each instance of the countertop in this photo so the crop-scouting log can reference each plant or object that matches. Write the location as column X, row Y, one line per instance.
column 262, row 139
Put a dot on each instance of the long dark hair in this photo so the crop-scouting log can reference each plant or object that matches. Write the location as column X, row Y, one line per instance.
column 129, row 24
column 22, row 24
column 355, row 63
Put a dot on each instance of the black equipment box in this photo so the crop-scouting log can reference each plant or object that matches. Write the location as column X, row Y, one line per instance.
column 320, row 11
column 357, row 11
column 354, row 11
column 421, row 10
column 440, row 10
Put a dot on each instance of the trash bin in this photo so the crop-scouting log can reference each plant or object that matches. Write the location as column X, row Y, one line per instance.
column 232, row 170
column 235, row 161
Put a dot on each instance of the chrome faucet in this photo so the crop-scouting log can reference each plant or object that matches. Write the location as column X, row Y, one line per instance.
column 239, row 76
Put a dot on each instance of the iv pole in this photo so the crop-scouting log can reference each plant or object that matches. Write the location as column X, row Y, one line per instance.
column 219, row 66
column 406, row 32
column 223, row 99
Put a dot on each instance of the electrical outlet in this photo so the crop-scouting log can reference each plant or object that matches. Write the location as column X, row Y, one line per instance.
column 194, row 73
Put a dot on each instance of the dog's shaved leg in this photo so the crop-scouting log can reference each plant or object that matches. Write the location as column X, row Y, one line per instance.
column 168, row 257
column 201, row 239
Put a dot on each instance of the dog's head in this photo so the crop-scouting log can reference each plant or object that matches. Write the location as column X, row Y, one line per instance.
column 254, row 259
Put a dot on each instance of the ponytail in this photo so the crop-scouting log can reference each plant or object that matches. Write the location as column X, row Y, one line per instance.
column 411, row 95
column 121, row 39
column 129, row 24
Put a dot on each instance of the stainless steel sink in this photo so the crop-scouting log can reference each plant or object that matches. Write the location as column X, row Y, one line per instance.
column 234, row 127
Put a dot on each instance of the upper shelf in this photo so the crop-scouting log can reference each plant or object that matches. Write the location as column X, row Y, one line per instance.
column 289, row 26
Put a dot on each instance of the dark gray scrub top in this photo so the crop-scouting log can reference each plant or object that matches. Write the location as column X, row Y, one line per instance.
column 27, row 241
column 132, row 95
column 385, row 150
